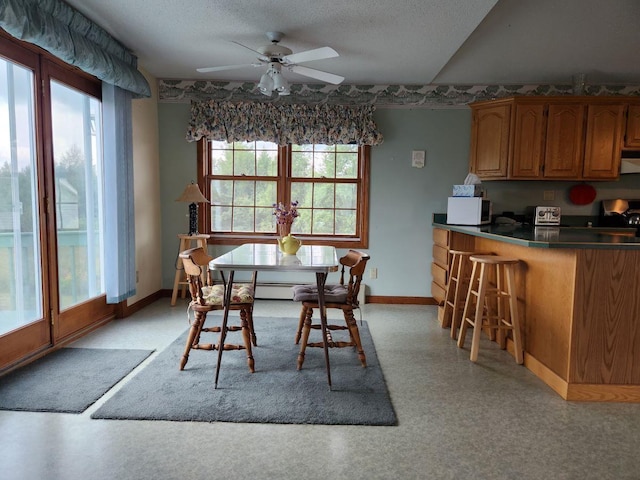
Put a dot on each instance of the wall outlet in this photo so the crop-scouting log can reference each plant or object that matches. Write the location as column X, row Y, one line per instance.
column 549, row 195
column 373, row 273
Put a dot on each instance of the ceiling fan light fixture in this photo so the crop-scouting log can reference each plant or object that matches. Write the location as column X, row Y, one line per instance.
column 285, row 91
column 266, row 84
column 280, row 83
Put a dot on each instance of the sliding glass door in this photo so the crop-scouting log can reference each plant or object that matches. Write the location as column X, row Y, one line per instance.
column 51, row 203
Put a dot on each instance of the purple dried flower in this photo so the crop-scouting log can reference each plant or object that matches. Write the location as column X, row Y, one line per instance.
column 284, row 214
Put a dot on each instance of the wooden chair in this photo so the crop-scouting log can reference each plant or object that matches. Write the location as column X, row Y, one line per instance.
column 341, row 296
column 206, row 297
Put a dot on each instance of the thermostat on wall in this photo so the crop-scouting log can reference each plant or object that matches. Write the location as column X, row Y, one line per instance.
column 417, row 158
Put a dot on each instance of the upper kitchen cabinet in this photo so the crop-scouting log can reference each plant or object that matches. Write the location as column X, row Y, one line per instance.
column 490, row 126
column 549, row 138
column 632, row 137
column 603, row 145
column 530, row 123
column 564, row 141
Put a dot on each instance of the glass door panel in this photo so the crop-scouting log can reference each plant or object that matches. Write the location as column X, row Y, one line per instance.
column 78, row 185
column 21, row 301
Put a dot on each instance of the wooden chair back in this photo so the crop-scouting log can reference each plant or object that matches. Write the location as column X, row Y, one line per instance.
column 356, row 262
column 196, row 265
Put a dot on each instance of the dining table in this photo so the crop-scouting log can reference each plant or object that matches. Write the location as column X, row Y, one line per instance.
column 257, row 257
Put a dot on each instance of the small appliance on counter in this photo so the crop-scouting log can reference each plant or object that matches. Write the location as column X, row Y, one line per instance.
column 544, row 216
column 620, row 213
column 468, row 211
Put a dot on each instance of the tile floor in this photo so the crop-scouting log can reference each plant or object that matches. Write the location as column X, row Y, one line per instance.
column 457, row 420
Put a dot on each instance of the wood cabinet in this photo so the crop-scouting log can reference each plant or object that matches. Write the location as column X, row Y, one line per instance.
column 528, row 141
column 440, row 264
column 552, row 138
column 603, row 143
column 490, row 128
column 632, row 136
column 564, row 141
column 443, row 242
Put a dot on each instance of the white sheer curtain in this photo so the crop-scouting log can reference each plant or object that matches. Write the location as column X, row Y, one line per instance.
column 120, row 265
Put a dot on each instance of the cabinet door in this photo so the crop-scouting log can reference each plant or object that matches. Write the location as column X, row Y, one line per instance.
column 565, row 141
column 603, row 141
column 490, row 141
column 632, row 136
column 529, row 131
column 441, row 256
column 441, row 237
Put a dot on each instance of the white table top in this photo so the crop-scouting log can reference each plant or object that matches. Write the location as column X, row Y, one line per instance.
column 261, row 256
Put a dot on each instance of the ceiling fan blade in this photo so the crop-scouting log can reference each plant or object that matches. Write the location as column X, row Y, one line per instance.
column 260, row 55
column 226, row 67
column 309, row 55
column 317, row 74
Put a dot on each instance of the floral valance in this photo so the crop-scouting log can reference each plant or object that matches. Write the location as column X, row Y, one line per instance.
column 283, row 123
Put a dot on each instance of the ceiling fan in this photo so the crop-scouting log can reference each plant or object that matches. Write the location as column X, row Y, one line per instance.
column 277, row 57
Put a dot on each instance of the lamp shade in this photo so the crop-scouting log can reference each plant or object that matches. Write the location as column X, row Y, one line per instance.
column 266, row 84
column 192, row 194
column 279, row 83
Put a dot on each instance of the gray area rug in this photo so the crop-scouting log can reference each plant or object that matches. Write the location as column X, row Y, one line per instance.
column 276, row 393
column 68, row 380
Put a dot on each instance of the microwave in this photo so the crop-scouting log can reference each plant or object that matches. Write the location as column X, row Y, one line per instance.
column 468, row 211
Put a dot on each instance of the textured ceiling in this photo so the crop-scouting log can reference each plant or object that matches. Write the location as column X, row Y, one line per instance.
column 382, row 42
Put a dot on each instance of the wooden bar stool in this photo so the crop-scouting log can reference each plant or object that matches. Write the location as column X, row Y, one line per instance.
column 496, row 304
column 456, row 293
column 180, row 279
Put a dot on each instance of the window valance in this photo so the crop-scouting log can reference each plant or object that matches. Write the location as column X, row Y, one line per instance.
column 283, row 123
column 72, row 37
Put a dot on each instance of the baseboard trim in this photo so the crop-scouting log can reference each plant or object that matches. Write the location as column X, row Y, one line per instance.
column 125, row 310
column 401, row 300
column 582, row 392
column 545, row 374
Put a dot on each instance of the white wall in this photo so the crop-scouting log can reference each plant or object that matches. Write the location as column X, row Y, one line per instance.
column 146, row 173
column 404, row 198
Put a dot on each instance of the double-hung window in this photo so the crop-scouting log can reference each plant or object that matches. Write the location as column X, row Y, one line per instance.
column 243, row 181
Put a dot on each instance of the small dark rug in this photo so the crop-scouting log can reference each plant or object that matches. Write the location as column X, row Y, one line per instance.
column 68, row 380
column 275, row 393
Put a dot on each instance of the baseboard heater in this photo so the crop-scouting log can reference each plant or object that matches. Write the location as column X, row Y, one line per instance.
column 282, row 291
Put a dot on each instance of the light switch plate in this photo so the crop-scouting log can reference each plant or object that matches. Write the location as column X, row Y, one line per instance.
column 418, row 158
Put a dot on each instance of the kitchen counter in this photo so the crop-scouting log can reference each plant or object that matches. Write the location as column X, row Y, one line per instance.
column 578, row 296
column 553, row 237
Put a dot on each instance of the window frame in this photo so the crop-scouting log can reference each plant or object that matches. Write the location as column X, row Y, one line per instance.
column 284, row 182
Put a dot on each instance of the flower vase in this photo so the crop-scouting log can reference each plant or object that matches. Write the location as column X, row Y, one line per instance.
column 284, row 229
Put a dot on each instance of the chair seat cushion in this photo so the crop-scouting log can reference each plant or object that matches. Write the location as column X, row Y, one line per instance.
column 309, row 293
column 240, row 293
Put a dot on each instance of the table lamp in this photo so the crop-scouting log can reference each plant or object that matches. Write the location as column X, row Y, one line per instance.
column 193, row 196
